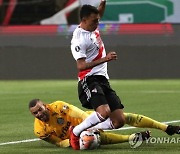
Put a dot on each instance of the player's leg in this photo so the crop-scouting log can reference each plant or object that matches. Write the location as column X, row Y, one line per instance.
column 117, row 118
column 102, row 109
column 91, row 95
column 112, row 138
column 142, row 121
column 135, row 120
column 91, row 120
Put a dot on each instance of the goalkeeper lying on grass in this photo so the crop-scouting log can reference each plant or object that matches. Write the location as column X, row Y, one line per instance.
column 52, row 123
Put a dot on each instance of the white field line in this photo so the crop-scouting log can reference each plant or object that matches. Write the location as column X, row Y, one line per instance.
column 22, row 141
column 37, row 139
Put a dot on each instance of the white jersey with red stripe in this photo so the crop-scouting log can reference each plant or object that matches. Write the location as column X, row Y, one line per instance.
column 88, row 45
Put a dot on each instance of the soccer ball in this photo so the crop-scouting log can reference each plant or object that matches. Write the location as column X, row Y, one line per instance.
column 89, row 139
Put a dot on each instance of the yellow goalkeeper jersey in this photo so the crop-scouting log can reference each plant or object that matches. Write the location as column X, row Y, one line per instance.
column 62, row 116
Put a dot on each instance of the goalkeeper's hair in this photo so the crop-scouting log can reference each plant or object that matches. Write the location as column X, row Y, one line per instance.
column 33, row 102
column 87, row 10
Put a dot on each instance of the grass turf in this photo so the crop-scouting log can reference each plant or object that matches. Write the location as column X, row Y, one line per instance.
column 158, row 99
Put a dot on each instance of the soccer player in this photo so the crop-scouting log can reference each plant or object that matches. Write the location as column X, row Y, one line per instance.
column 52, row 122
column 94, row 89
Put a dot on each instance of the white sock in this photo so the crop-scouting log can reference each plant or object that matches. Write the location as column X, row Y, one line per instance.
column 90, row 121
column 104, row 125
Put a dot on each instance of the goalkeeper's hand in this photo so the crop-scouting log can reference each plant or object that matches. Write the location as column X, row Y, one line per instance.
column 64, row 143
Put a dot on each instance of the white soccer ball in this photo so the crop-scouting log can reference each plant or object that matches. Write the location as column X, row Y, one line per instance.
column 89, row 139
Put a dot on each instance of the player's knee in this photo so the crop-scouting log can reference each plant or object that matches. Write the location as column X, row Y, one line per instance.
column 104, row 111
column 118, row 122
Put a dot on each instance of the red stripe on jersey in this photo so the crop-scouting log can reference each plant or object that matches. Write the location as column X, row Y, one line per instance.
column 82, row 74
column 97, row 34
column 99, row 54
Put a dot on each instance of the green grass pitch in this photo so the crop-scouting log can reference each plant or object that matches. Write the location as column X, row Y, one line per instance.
column 158, row 99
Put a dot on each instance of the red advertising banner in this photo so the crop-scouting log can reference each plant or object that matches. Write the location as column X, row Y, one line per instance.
column 106, row 29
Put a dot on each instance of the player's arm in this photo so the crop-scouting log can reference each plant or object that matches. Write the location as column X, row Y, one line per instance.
column 83, row 65
column 41, row 132
column 101, row 7
column 57, row 141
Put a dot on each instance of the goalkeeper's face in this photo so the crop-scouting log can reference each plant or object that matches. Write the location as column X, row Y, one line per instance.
column 40, row 111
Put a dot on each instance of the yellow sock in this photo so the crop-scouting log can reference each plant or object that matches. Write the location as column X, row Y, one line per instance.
column 142, row 121
column 112, row 138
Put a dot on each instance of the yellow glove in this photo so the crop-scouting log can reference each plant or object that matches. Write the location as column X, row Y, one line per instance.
column 64, row 143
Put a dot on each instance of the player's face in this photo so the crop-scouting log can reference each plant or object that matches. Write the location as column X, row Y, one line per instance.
column 92, row 22
column 40, row 111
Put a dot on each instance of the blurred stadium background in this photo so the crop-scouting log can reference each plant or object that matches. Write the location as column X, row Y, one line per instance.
column 35, row 38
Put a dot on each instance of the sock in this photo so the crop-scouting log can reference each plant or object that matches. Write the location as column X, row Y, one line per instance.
column 111, row 138
column 90, row 121
column 107, row 124
column 142, row 121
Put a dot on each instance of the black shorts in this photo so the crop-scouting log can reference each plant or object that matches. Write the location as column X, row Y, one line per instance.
column 95, row 91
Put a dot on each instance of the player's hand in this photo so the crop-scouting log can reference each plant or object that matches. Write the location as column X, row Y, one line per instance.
column 111, row 56
column 64, row 143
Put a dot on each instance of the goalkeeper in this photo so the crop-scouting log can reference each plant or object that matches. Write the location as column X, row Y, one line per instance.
column 52, row 123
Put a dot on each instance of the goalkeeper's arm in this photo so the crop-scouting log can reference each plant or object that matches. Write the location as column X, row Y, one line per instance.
column 57, row 141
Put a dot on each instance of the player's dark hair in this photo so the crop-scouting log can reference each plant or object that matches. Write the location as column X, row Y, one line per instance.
column 33, row 102
column 87, row 10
